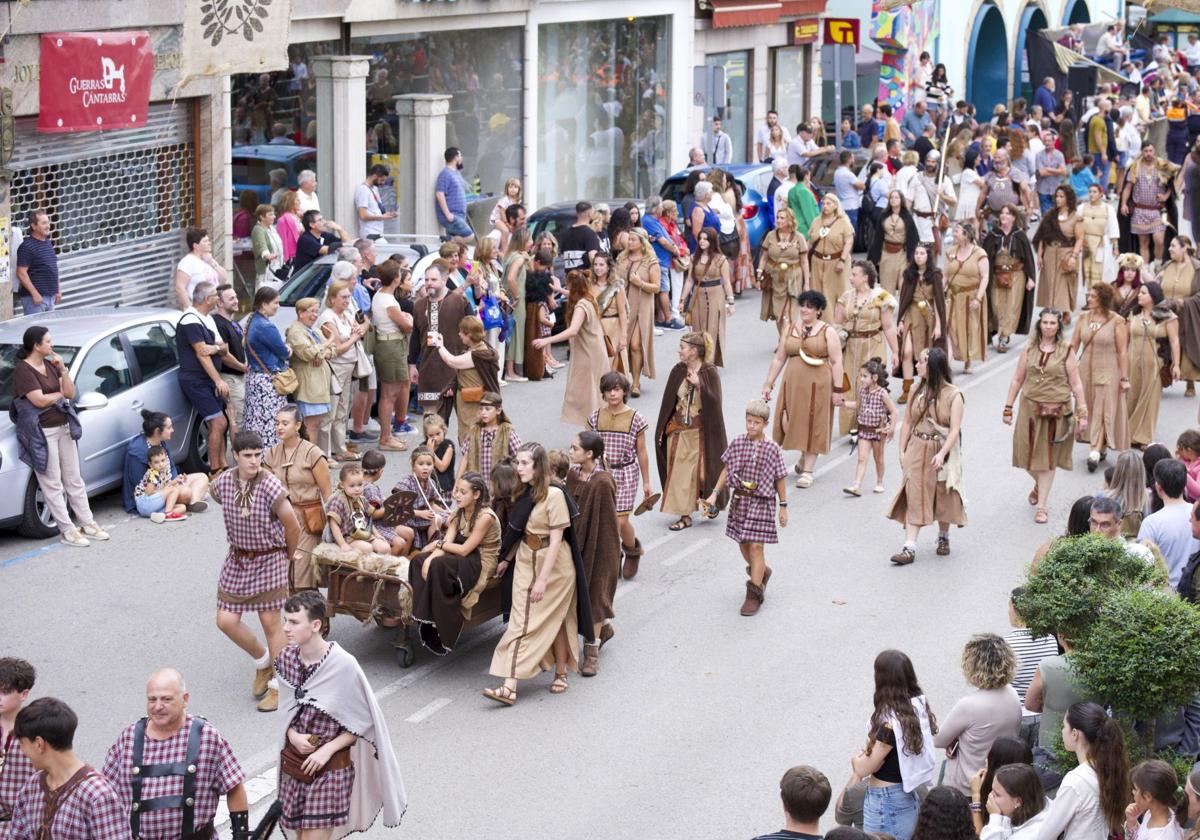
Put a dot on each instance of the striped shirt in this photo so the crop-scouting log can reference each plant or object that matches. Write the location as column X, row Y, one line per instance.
column 1030, row 652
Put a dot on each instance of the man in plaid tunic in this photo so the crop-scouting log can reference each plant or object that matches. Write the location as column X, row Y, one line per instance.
column 16, row 681
column 66, row 799
column 170, row 737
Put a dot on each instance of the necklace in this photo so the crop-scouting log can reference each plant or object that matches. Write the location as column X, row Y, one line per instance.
column 243, row 496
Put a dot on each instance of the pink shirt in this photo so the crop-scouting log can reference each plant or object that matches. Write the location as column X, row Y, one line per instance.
column 1193, row 482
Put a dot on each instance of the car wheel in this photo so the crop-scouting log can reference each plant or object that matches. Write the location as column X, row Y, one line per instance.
column 36, row 521
column 196, row 460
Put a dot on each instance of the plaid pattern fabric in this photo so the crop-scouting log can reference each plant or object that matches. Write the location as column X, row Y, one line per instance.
column 872, row 411
column 752, row 517
column 326, row 802
column 13, row 775
column 218, row 772
column 92, row 811
column 260, row 531
column 487, row 458
column 620, row 452
column 430, row 492
column 372, row 493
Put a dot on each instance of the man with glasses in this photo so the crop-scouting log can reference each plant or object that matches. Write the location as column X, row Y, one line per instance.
column 1105, row 519
column 315, row 242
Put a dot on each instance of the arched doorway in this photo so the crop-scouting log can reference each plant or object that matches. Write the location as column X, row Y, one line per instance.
column 1033, row 19
column 1076, row 11
column 987, row 56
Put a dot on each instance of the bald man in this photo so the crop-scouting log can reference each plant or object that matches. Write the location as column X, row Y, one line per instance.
column 184, row 767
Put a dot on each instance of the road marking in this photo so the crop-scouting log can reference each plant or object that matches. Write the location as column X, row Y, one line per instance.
column 691, row 549
column 429, row 710
column 625, row 588
column 29, row 555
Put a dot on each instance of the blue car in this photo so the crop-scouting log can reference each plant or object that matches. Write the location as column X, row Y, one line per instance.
column 252, row 167
column 754, row 179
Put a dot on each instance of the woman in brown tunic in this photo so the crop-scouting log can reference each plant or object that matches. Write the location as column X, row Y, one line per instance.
column 865, row 313
column 637, row 268
column 589, row 361
column 592, row 486
column 894, row 241
column 782, row 268
column 476, row 371
column 1046, row 376
column 921, row 317
column 710, row 290
column 830, row 241
column 689, row 437
column 302, row 467
column 1178, row 279
column 967, row 282
column 812, row 353
column 931, row 458
column 1011, row 277
column 1150, row 327
column 1059, row 242
column 1101, row 339
column 614, row 310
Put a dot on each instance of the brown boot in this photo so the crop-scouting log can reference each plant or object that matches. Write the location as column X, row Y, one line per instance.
column 606, row 633
column 633, row 556
column 270, row 701
column 904, row 392
column 591, row 661
column 261, row 677
column 754, row 599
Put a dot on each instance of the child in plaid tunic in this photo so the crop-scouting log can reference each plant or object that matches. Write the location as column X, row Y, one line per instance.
column 430, row 511
column 754, row 471
column 16, row 681
column 373, row 463
column 876, row 422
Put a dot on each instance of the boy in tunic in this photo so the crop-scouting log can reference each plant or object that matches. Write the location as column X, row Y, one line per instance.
column 754, row 471
column 16, row 680
column 489, row 441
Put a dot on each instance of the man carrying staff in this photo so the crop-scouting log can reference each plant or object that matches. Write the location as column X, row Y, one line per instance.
column 337, row 768
column 66, row 800
column 263, row 532
column 926, row 205
column 171, row 768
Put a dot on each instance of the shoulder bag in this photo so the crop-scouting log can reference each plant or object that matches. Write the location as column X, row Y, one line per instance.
column 285, row 381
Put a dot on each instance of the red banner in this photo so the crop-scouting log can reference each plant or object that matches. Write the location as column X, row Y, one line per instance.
column 92, row 81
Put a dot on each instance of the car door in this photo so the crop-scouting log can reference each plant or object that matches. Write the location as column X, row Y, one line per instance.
column 156, row 361
column 105, row 369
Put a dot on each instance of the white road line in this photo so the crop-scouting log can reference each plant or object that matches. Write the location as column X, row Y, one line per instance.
column 691, row 549
column 429, row 710
column 625, row 588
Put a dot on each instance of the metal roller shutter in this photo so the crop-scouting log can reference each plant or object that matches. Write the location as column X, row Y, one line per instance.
column 117, row 202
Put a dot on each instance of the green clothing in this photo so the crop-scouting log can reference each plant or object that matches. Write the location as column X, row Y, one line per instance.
column 260, row 243
column 515, row 352
column 803, row 205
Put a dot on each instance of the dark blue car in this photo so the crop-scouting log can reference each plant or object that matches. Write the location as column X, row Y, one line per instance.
column 754, row 179
column 252, row 166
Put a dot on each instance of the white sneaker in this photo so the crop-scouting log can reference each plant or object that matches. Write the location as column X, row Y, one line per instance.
column 658, row 331
column 71, row 536
column 158, row 517
column 95, row 532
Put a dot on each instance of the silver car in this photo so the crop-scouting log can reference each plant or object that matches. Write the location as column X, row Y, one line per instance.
column 122, row 360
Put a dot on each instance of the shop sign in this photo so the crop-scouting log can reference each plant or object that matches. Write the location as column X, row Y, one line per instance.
column 804, row 31
column 842, row 31
column 92, row 81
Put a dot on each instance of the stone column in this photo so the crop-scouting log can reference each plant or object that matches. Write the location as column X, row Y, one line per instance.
column 422, row 145
column 341, row 134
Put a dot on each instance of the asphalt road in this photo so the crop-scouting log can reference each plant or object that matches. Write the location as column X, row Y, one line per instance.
column 696, row 712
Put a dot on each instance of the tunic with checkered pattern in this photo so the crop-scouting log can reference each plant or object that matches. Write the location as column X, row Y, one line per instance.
column 752, row 515
column 620, row 434
column 91, row 811
column 217, row 773
column 258, row 583
column 325, row 802
column 14, row 773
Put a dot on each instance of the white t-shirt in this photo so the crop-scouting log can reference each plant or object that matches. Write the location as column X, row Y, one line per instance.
column 799, row 151
column 763, row 135
column 308, row 201
column 342, row 326
column 368, row 198
column 380, row 304
column 198, row 271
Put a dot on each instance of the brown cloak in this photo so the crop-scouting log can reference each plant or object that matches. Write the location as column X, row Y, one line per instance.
column 599, row 540
column 712, row 429
column 435, row 374
column 1188, row 310
column 1024, row 252
column 487, row 366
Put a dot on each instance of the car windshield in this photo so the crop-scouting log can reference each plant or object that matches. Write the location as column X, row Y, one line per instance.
column 8, row 365
column 310, row 281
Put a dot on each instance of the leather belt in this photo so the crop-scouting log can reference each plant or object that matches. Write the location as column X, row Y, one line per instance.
column 927, row 436
column 535, row 541
column 708, row 284
column 956, row 289
column 826, row 257
column 1141, row 206
column 862, row 333
column 893, row 247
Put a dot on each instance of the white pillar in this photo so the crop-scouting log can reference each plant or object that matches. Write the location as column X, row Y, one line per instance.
column 341, row 133
column 422, row 147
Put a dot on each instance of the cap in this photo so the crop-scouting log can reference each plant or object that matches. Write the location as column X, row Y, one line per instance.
column 933, row 154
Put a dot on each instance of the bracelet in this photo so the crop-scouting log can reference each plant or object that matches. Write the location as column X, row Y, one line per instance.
column 976, row 807
column 839, row 390
column 782, row 503
column 729, row 300
column 1124, row 378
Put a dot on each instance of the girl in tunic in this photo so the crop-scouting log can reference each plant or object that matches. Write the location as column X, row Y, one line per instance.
column 689, row 436
column 894, row 242
column 593, row 489
column 1150, row 327
column 430, row 511
column 1130, row 276
column 624, row 433
column 1177, row 278
column 614, row 310
column 931, row 459
column 638, row 269
column 865, row 313
column 516, row 266
column 1100, row 238
column 710, row 291
column 1059, row 242
column 448, row 580
column 922, row 314
column 549, row 594
column 589, row 361
column 304, row 470
column 1101, row 340
column 967, row 279
column 782, row 268
column 754, row 471
column 490, row 441
column 476, row 371
column 830, row 241
column 1046, row 376
column 1011, row 277
column 813, row 382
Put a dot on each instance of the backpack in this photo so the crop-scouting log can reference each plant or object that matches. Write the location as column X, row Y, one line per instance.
column 1188, row 579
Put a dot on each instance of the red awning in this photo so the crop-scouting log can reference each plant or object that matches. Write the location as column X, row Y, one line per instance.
column 729, row 13
column 803, row 7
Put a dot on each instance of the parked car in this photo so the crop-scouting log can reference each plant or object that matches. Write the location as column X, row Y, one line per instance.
column 754, row 179
column 252, row 167
column 122, row 360
column 557, row 218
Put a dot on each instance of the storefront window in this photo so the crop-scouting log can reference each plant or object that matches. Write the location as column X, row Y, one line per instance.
column 734, row 120
column 790, row 85
column 602, row 109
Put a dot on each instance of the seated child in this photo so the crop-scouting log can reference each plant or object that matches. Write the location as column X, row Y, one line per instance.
column 399, row 538
column 348, row 522
column 442, row 449
column 430, row 511
column 157, row 494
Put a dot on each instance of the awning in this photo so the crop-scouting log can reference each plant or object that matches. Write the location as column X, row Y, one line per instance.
column 1153, row 6
column 1174, row 17
column 1067, row 57
column 803, row 7
column 730, row 13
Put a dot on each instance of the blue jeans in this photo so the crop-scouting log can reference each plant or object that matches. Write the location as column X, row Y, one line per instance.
column 147, row 505
column 853, row 216
column 890, row 810
column 1100, row 167
column 1045, row 202
column 458, row 227
column 28, row 307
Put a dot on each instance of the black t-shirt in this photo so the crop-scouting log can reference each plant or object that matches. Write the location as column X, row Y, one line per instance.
column 575, row 246
column 445, row 479
column 231, row 334
column 192, row 330
column 922, row 147
column 890, row 771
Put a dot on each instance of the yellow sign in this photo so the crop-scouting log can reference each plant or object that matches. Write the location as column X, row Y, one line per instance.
column 842, row 31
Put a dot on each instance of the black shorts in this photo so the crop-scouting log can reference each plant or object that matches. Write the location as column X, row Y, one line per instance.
column 202, row 394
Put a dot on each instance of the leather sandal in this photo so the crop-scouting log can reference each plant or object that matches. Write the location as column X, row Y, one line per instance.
column 1033, row 496
column 683, row 523
column 503, row 695
column 1042, row 516
column 559, row 686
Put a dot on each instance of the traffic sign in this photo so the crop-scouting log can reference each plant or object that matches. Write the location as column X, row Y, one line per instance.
column 842, row 31
column 837, row 62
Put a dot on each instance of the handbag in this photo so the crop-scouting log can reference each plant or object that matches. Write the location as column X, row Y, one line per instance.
column 312, row 515
column 608, row 347
column 490, row 314
column 363, row 366
column 471, row 393
column 1164, row 376
column 1003, row 279
column 291, row 763
column 285, row 381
